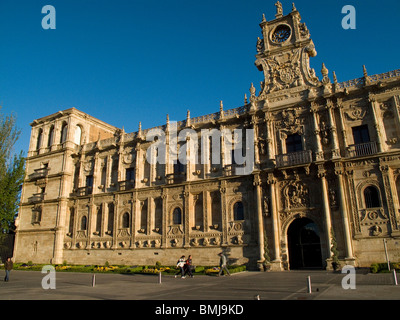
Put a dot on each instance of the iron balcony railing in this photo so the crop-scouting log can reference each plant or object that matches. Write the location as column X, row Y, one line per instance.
column 293, row 158
column 362, row 149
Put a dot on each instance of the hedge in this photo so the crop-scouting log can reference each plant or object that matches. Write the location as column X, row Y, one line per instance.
column 382, row 267
column 148, row 269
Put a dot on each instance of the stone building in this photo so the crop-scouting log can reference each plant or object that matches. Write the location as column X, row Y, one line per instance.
column 326, row 169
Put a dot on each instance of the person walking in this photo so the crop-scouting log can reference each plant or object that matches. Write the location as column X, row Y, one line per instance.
column 181, row 264
column 222, row 264
column 188, row 266
column 8, row 265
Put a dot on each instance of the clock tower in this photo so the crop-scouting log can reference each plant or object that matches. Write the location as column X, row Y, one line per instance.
column 283, row 54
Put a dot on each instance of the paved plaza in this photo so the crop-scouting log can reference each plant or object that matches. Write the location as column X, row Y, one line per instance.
column 27, row 285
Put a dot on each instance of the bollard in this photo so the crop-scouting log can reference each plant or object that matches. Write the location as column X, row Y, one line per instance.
column 159, row 278
column 309, row 284
column 93, row 280
column 395, row 277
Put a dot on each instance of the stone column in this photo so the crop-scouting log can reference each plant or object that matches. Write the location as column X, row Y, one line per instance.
column 391, row 198
column 270, row 137
column 164, row 218
column 342, row 124
column 339, row 171
column 376, row 117
column 188, row 206
column 59, row 232
column 396, row 107
column 326, row 208
column 332, row 126
column 96, row 173
column 134, row 215
column 108, row 172
column 319, row 154
column 260, row 222
column 275, row 218
column 116, row 221
column 224, row 217
column 256, row 151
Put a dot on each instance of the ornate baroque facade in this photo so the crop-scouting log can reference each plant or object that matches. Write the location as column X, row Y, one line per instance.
column 327, row 168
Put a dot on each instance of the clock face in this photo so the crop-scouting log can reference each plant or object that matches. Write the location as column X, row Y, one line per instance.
column 281, row 34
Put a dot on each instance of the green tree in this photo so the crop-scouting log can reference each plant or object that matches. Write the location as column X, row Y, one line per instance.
column 12, row 173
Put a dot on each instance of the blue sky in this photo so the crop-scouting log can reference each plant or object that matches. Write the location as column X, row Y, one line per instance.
column 125, row 61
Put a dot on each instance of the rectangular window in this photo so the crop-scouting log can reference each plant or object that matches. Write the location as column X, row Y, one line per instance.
column 89, row 181
column 179, row 167
column 293, row 143
column 361, row 134
column 130, row 174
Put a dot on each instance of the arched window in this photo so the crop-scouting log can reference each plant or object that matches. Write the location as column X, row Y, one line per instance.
column 125, row 220
column 177, row 216
column 371, row 197
column 78, row 135
column 83, row 223
column 238, row 212
column 64, row 129
column 51, row 137
column 39, row 139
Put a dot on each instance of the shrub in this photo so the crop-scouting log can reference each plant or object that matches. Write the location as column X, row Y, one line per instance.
column 199, row 269
column 383, row 268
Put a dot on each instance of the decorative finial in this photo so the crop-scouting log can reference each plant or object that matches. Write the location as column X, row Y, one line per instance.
column 334, row 77
column 324, row 70
column 167, row 118
column 365, row 71
column 140, row 129
column 188, row 118
column 245, row 99
column 252, row 90
column 221, row 109
column 263, row 18
column 293, row 7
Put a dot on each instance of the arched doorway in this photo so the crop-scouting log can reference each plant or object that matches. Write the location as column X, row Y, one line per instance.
column 304, row 244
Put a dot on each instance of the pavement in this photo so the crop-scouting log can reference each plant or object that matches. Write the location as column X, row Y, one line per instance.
column 289, row 285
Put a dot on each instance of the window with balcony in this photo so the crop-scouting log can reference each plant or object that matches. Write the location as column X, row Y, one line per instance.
column 130, row 174
column 89, row 181
column 178, row 168
column 360, row 134
column 362, row 145
column 293, row 143
column 295, row 155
